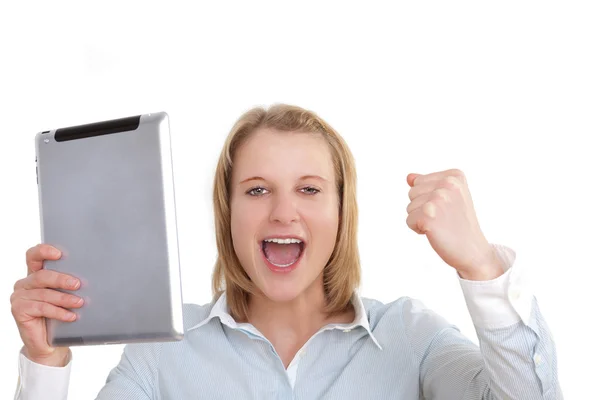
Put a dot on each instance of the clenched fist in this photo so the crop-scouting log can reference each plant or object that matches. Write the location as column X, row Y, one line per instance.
column 442, row 209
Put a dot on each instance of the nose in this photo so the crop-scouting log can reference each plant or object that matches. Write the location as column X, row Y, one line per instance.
column 284, row 209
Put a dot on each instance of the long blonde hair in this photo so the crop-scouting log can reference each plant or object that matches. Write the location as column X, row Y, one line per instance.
column 342, row 271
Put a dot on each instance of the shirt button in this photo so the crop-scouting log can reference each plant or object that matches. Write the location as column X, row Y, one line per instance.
column 347, row 330
column 537, row 359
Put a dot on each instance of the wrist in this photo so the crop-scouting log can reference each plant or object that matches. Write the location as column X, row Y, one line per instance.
column 58, row 358
column 487, row 270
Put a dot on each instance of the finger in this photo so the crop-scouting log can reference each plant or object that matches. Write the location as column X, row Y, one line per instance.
column 411, row 178
column 27, row 309
column 435, row 196
column 448, row 183
column 420, row 220
column 51, row 296
column 48, row 279
column 417, row 202
column 439, row 175
column 422, row 189
column 36, row 255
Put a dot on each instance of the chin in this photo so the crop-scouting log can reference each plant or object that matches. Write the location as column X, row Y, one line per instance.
column 281, row 292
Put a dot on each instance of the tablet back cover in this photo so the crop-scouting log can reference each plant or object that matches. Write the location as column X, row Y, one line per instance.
column 107, row 201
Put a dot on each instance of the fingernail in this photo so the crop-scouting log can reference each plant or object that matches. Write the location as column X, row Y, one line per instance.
column 55, row 252
column 72, row 282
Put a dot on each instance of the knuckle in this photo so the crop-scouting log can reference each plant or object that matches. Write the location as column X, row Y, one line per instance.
column 44, row 295
column 18, row 284
column 411, row 193
column 457, row 172
column 422, row 225
column 451, row 182
column 441, row 194
column 55, row 279
column 13, row 298
column 15, row 308
column 32, row 252
column 37, row 278
column 460, row 175
column 65, row 298
column 44, row 278
column 39, row 306
column 47, row 309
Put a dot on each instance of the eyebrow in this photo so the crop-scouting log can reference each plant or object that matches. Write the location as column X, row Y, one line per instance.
column 260, row 178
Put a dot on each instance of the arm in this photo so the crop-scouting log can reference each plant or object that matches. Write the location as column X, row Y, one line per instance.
column 132, row 379
column 37, row 381
column 516, row 358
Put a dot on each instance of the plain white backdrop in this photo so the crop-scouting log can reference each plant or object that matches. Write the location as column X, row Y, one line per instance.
column 509, row 92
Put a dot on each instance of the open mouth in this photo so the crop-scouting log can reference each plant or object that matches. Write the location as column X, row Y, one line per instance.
column 282, row 252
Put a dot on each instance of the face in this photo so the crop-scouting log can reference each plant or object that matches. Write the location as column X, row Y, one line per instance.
column 284, row 211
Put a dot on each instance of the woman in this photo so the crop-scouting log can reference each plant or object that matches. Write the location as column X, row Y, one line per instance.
column 286, row 321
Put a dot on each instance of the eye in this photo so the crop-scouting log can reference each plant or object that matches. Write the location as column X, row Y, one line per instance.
column 257, row 191
column 310, row 190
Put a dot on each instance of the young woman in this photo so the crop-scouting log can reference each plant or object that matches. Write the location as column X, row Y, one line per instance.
column 287, row 321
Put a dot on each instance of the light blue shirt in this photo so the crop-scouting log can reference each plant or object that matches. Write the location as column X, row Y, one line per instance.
column 399, row 350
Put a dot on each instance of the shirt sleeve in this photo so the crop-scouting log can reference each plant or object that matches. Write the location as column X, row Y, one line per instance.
column 37, row 381
column 133, row 378
column 503, row 301
column 516, row 356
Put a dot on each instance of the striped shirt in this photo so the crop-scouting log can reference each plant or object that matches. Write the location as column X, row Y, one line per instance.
column 398, row 350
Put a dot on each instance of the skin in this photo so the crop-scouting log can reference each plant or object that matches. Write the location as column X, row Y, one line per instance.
column 441, row 208
column 284, row 184
column 34, row 299
column 269, row 197
column 298, row 197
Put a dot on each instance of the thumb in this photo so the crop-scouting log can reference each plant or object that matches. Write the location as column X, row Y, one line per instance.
column 410, row 179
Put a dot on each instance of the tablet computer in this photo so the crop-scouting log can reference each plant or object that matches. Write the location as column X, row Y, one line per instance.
column 107, row 201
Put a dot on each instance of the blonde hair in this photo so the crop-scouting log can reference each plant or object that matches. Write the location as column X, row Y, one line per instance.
column 342, row 271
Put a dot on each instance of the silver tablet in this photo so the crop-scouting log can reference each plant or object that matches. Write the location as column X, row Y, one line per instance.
column 107, row 201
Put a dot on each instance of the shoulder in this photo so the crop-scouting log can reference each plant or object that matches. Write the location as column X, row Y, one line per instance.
column 407, row 316
column 144, row 359
column 406, row 309
column 193, row 314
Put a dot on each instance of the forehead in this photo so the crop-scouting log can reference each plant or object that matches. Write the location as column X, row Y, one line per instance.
column 269, row 152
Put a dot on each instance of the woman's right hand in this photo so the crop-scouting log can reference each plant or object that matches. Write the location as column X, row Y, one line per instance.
column 34, row 299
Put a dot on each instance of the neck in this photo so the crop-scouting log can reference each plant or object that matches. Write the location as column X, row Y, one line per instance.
column 297, row 319
column 303, row 313
column 289, row 325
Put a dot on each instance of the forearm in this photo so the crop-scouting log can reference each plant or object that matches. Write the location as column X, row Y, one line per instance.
column 38, row 381
column 517, row 346
column 520, row 360
column 60, row 358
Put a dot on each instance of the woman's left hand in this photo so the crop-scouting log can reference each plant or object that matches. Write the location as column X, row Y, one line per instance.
column 442, row 209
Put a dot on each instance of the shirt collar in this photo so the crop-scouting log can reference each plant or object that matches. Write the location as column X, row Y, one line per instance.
column 221, row 310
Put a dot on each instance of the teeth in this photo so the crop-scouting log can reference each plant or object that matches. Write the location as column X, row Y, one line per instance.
column 283, row 241
column 283, row 266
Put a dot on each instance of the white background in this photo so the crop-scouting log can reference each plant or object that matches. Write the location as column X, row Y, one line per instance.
column 509, row 92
